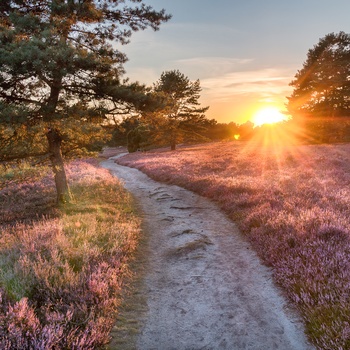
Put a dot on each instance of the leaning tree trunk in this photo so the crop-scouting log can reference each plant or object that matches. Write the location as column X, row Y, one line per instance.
column 63, row 193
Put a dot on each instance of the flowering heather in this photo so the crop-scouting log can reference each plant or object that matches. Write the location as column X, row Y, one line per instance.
column 293, row 203
column 61, row 271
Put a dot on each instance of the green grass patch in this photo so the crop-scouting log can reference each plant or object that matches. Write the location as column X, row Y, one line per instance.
column 66, row 269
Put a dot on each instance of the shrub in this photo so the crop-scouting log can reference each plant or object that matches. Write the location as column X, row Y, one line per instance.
column 62, row 272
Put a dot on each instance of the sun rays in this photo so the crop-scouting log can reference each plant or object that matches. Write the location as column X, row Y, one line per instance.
column 268, row 115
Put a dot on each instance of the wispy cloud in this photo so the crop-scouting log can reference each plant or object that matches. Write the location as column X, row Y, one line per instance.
column 225, row 78
column 234, row 94
column 258, row 82
column 212, row 66
column 230, row 85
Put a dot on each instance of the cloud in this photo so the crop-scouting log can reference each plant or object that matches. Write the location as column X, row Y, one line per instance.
column 203, row 68
column 258, row 82
column 231, row 86
column 209, row 67
column 237, row 93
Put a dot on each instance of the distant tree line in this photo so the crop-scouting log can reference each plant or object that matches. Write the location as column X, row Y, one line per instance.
column 137, row 135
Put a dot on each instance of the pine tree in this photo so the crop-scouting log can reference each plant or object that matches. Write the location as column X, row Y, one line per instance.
column 322, row 86
column 58, row 59
column 184, row 116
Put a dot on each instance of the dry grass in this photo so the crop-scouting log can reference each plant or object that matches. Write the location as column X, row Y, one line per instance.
column 293, row 202
column 62, row 271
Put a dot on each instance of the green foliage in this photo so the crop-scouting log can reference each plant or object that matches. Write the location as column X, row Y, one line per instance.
column 134, row 140
column 19, row 141
column 182, row 118
column 220, row 131
column 212, row 130
column 19, row 171
column 321, row 87
column 68, row 267
column 121, row 130
column 54, row 53
column 323, row 130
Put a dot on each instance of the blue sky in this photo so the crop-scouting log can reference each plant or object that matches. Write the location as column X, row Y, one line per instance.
column 244, row 53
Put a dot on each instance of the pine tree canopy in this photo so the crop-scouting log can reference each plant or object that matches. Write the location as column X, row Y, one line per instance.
column 61, row 60
column 322, row 86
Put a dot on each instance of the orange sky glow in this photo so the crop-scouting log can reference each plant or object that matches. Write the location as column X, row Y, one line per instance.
column 245, row 53
column 239, row 96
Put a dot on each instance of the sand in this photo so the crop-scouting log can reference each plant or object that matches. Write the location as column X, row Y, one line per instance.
column 203, row 286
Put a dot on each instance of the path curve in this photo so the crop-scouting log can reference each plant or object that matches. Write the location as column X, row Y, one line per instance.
column 205, row 287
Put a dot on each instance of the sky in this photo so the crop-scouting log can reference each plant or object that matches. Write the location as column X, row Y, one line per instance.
column 244, row 52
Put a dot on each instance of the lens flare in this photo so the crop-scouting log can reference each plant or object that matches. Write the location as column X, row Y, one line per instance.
column 269, row 115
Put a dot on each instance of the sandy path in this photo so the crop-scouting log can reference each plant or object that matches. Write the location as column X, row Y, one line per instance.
column 205, row 288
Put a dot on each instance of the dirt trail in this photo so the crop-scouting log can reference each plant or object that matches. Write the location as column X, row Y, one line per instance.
column 204, row 287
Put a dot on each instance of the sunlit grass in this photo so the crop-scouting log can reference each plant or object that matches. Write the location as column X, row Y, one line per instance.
column 19, row 172
column 61, row 273
column 293, row 202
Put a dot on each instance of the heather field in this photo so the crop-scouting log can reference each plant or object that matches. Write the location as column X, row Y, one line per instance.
column 62, row 270
column 293, row 203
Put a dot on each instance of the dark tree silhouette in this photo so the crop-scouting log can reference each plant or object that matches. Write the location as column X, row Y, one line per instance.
column 322, row 86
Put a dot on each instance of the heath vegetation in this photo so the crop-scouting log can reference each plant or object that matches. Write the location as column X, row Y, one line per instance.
column 293, row 202
column 62, row 269
column 63, row 93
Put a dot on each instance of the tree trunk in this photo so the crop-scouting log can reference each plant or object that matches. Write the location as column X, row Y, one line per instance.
column 173, row 145
column 63, row 193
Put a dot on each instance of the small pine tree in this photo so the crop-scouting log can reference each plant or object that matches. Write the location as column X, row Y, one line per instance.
column 184, row 116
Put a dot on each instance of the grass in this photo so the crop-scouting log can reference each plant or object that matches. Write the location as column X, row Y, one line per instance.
column 293, row 203
column 133, row 308
column 20, row 172
column 62, row 270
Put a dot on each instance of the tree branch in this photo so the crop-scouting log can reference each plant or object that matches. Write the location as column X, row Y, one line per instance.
column 8, row 158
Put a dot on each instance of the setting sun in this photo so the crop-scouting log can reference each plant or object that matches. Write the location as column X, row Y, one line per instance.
column 268, row 115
